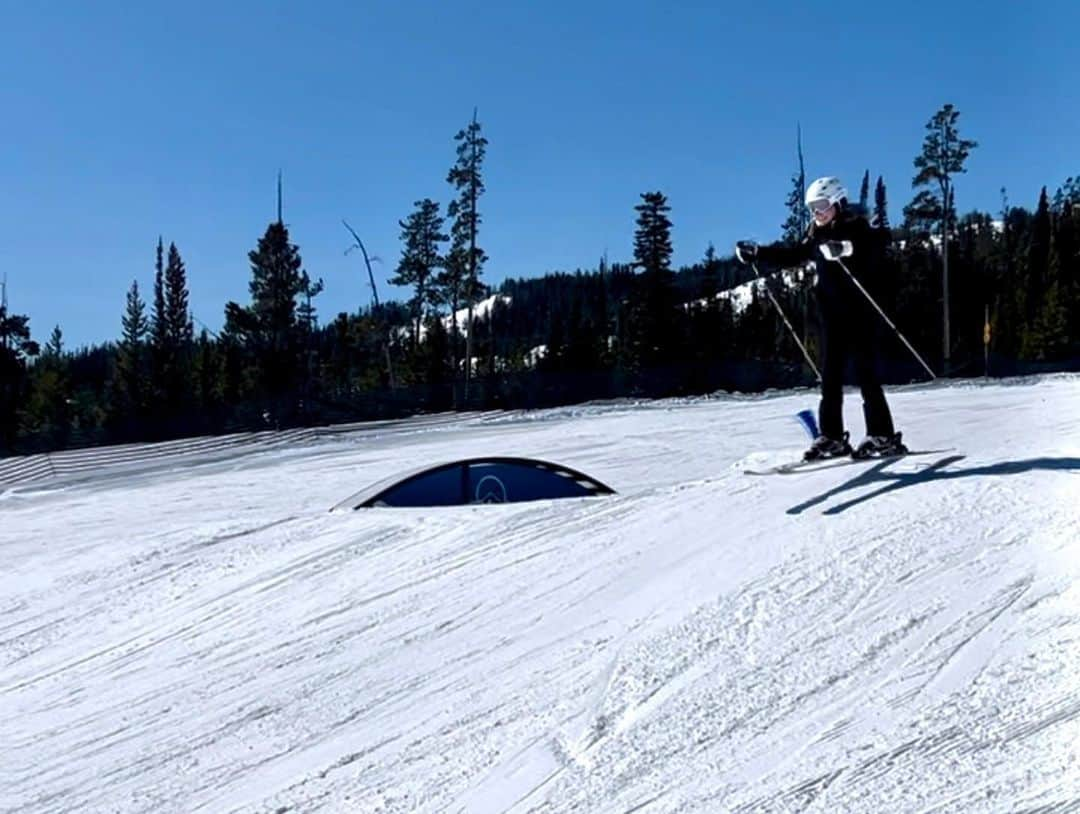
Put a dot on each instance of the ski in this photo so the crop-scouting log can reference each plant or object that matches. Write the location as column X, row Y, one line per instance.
column 795, row 467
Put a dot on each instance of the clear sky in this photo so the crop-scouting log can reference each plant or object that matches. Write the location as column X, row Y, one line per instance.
column 125, row 121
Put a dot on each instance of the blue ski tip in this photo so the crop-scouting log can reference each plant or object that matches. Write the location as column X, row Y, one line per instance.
column 809, row 423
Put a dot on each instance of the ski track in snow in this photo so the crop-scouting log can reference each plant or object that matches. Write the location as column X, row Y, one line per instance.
column 864, row 639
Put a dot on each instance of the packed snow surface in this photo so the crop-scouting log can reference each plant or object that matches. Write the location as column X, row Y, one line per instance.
column 882, row 636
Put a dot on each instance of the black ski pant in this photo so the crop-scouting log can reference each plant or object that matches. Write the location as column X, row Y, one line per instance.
column 851, row 334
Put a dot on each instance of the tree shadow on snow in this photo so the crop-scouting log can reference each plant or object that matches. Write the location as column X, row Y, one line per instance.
column 932, row 472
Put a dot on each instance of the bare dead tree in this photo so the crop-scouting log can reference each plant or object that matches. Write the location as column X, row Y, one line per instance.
column 381, row 321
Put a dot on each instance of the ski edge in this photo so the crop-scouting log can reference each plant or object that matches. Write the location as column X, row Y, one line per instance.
column 796, row 467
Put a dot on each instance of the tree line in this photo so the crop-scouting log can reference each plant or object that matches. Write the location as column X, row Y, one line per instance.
column 978, row 293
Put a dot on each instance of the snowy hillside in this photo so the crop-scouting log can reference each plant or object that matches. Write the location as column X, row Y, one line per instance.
column 742, row 295
column 880, row 637
column 482, row 310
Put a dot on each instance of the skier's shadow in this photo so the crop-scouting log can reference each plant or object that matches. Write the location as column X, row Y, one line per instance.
column 932, row 472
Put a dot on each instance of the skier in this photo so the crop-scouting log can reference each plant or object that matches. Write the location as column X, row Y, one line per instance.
column 849, row 324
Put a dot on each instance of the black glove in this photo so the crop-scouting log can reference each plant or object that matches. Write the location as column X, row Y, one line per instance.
column 746, row 251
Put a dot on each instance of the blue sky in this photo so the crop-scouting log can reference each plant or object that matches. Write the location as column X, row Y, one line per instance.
column 123, row 121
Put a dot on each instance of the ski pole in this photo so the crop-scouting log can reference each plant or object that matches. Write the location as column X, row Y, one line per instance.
column 783, row 316
column 838, row 257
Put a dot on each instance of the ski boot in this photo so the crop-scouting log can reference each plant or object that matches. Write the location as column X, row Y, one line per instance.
column 880, row 446
column 825, row 447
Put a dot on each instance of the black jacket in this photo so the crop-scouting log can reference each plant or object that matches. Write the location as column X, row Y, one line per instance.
column 836, row 292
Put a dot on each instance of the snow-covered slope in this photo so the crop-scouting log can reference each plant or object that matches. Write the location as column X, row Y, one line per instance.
column 879, row 637
column 481, row 310
column 741, row 296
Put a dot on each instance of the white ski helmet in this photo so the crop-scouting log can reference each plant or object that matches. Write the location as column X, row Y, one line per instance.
column 825, row 189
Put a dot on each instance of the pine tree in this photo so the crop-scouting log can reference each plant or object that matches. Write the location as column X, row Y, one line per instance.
column 466, row 258
column 881, row 213
column 714, row 320
column 652, row 238
column 1048, row 329
column 176, row 354
column 134, row 322
column 16, row 348
column 943, row 156
column 1067, row 194
column 1067, row 257
column 654, row 307
column 208, row 377
column 131, row 383
column 921, row 215
column 171, row 334
column 603, row 283
column 306, row 312
column 795, row 229
column 432, row 356
column 422, row 236
column 308, row 324
column 555, row 342
column 584, row 340
column 159, row 330
column 268, row 328
column 179, row 331
column 629, row 347
column 47, row 411
column 159, row 320
column 1047, row 339
column 798, row 218
column 54, row 348
column 709, row 281
column 15, row 341
column 448, row 287
column 1038, row 256
column 1010, row 305
column 864, row 192
column 1036, row 341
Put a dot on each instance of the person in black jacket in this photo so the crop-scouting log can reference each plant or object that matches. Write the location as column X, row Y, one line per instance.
column 849, row 323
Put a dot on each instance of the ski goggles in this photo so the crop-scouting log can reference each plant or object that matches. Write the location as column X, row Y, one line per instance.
column 820, row 206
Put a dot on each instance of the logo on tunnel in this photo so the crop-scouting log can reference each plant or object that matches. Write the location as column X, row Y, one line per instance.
column 490, row 490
